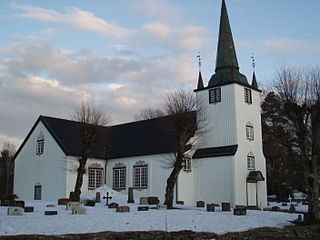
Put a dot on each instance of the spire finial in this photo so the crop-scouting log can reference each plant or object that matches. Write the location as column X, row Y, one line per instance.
column 253, row 62
column 199, row 60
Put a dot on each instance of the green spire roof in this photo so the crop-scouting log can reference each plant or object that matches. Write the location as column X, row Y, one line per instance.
column 200, row 81
column 227, row 68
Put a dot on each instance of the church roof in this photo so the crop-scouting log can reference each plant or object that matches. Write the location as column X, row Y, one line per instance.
column 227, row 68
column 139, row 138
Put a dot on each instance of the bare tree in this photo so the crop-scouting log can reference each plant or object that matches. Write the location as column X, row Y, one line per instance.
column 7, row 159
column 180, row 105
column 91, row 118
column 148, row 113
column 299, row 90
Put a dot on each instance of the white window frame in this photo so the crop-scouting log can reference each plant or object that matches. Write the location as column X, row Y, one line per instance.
column 250, row 161
column 249, row 131
column 187, row 165
column 119, row 178
column 40, row 144
column 247, row 96
column 140, row 176
column 215, row 95
column 95, row 178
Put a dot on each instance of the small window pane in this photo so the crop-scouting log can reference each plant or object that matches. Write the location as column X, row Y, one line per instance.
column 95, row 176
column 140, row 176
column 251, row 162
column 249, row 132
column 119, row 178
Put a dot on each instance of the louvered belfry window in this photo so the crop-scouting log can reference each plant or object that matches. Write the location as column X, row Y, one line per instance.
column 215, row 95
column 247, row 96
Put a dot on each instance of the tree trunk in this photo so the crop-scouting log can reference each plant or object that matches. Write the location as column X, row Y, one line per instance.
column 314, row 207
column 171, row 181
column 79, row 181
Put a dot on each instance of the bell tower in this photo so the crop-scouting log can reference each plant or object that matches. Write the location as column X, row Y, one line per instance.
column 232, row 146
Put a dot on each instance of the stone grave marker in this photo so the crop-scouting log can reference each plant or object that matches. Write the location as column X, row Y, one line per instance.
column 98, row 197
column 292, row 208
column 130, row 195
column 19, row 204
column 284, row 204
column 275, row 208
column 15, row 211
column 211, row 207
column 200, row 204
column 84, row 201
column 63, row 201
column 240, row 210
column 107, row 198
column 28, row 209
column 143, row 200
column 180, row 202
column 51, row 205
column 226, row 206
column 72, row 205
column 113, row 205
column 79, row 210
column 153, row 200
column 162, row 207
column 123, row 209
column 143, row 208
column 49, row 213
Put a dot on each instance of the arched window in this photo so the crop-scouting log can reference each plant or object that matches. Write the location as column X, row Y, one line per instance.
column 40, row 144
column 119, row 176
column 249, row 131
column 140, row 175
column 95, row 176
column 250, row 161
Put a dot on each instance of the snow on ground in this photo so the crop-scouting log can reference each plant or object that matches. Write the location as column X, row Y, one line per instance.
column 100, row 218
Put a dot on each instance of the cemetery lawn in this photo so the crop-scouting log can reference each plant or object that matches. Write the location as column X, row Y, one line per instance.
column 100, row 219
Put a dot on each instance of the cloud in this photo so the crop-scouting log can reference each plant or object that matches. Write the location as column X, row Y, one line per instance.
column 283, row 45
column 83, row 20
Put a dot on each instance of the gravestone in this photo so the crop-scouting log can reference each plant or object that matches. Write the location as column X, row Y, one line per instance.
column 51, row 205
column 200, row 204
column 28, row 209
column 130, row 195
column 63, row 201
column 211, row 207
column 113, row 205
column 292, row 208
column 275, row 208
column 284, row 204
column 162, row 207
column 143, row 208
column 79, row 210
column 19, row 204
column 49, row 213
column 153, row 200
column 143, row 200
column 226, row 206
column 7, row 202
column 98, row 197
column 240, row 210
column 90, row 203
column 72, row 205
column 84, row 201
column 123, row 209
column 15, row 211
column 180, row 202
column 107, row 198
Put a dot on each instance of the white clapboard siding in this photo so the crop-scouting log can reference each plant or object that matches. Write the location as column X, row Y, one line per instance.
column 47, row 169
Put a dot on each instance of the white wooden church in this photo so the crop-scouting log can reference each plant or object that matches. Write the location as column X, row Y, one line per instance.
column 228, row 166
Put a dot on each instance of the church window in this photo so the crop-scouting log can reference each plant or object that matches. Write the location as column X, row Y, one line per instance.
column 187, row 165
column 251, row 161
column 37, row 191
column 140, row 175
column 215, row 95
column 95, row 177
column 40, row 144
column 247, row 96
column 119, row 177
column 249, row 131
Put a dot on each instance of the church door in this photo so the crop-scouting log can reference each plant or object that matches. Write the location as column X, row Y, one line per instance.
column 252, row 194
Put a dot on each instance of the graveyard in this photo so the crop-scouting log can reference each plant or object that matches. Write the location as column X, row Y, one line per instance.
column 89, row 216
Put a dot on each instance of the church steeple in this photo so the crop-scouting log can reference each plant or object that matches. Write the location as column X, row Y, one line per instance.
column 200, row 81
column 254, row 83
column 227, row 68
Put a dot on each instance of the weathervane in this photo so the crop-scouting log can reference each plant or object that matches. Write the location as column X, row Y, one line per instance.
column 253, row 62
column 199, row 59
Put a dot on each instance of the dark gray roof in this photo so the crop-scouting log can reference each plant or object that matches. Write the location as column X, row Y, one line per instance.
column 216, row 151
column 140, row 138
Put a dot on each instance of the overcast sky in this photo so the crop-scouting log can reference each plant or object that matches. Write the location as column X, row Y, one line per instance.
column 126, row 54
